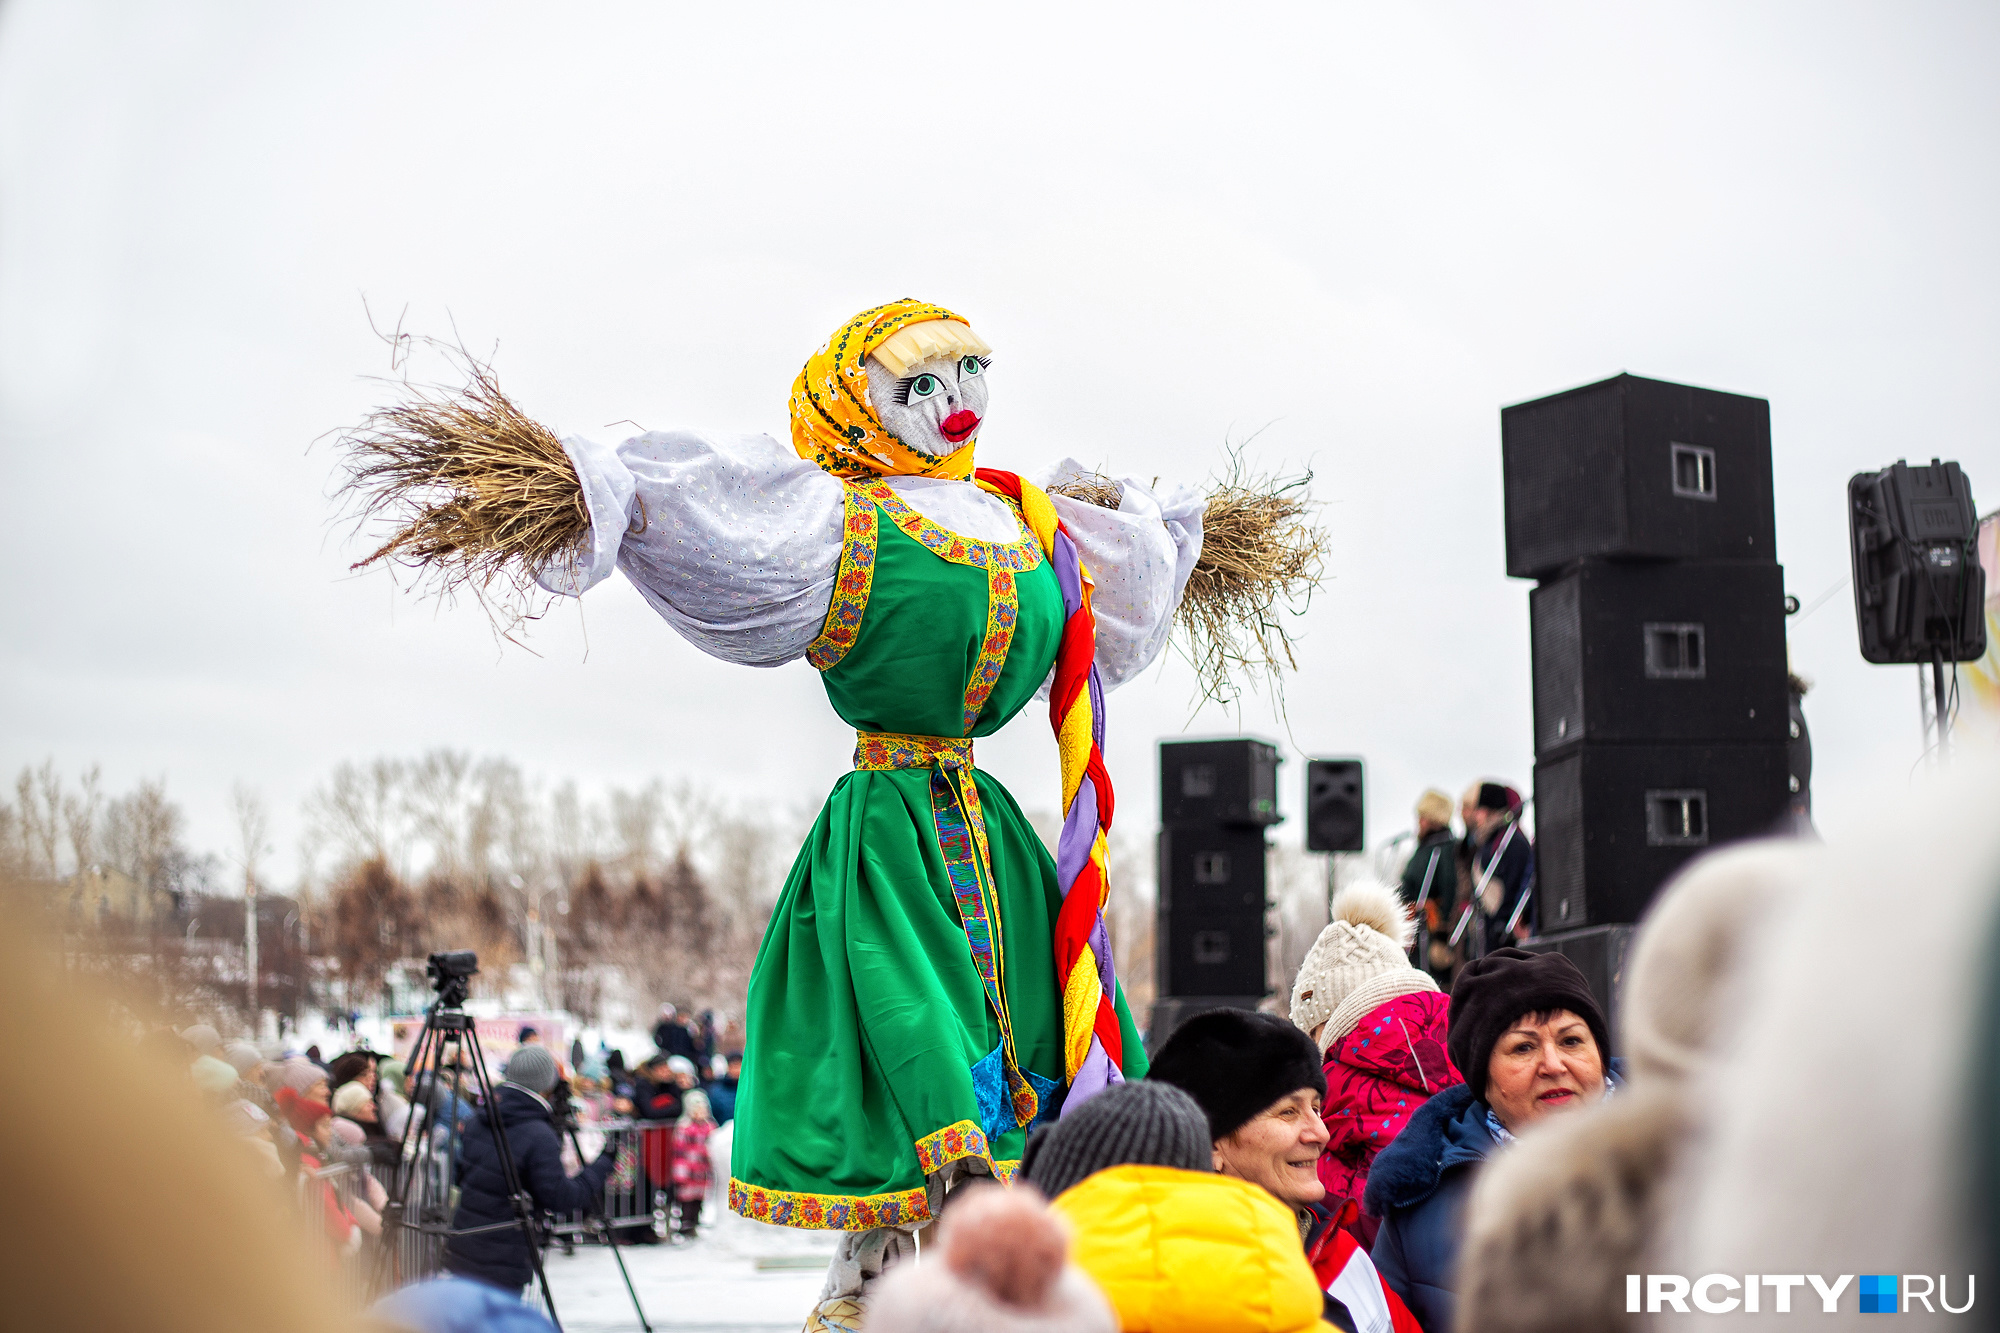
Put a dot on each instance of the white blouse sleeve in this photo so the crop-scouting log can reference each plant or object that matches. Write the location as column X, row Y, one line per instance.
column 733, row 539
column 1139, row 556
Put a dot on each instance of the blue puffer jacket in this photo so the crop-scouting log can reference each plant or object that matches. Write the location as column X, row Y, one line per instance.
column 1417, row 1186
column 500, row 1256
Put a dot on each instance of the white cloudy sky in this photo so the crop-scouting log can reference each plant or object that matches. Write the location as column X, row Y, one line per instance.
column 1360, row 227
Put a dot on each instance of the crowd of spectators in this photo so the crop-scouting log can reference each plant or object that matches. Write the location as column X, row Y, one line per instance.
column 1409, row 1148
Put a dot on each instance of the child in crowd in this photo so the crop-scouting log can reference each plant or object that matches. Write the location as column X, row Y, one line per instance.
column 689, row 1172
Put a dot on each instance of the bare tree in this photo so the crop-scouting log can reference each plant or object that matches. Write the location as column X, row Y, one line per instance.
column 253, row 827
column 38, row 794
column 80, row 814
column 13, row 843
column 573, row 836
column 436, row 795
column 142, row 832
column 361, row 812
column 635, row 825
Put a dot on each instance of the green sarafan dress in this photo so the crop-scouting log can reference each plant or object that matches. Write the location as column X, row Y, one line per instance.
column 904, row 1012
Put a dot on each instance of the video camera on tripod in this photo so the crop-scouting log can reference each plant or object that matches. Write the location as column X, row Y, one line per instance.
column 456, row 1199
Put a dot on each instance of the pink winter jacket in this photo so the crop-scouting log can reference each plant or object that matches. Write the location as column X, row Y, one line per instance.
column 1376, row 1077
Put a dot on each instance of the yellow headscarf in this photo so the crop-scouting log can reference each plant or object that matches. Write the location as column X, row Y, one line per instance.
column 832, row 423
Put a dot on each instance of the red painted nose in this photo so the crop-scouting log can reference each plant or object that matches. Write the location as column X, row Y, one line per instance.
column 958, row 427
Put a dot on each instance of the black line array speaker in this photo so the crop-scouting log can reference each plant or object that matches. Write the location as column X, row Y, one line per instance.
column 1334, row 820
column 1632, row 468
column 1211, row 933
column 1660, row 652
column 1613, row 822
column 1219, row 782
column 1662, row 712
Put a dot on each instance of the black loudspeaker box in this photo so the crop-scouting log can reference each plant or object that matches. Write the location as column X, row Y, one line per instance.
column 1613, row 822
column 1599, row 953
column 1211, row 928
column 1919, row 590
column 1637, row 469
column 1333, row 806
column 1681, row 651
column 1219, row 782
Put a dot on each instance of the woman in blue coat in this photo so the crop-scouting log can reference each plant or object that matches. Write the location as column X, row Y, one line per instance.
column 1531, row 1041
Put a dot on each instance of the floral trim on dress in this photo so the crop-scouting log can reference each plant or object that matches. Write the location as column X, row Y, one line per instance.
column 863, row 1212
column 1003, row 612
column 963, row 1139
column 1019, row 556
column 851, row 583
column 828, row 1212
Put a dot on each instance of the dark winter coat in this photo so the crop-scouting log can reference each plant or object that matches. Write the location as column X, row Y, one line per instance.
column 1515, row 874
column 1434, row 857
column 500, row 1256
column 721, row 1099
column 1418, row 1187
column 673, row 1039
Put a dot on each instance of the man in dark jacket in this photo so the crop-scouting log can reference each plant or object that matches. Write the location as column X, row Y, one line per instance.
column 1430, row 880
column 1502, row 859
column 671, row 1035
column 500, row 1256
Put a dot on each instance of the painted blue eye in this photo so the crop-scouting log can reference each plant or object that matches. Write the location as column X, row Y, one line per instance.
column 923, row 386
column 969, row 366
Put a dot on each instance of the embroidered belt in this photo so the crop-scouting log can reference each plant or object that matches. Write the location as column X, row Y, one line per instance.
column 968, row 864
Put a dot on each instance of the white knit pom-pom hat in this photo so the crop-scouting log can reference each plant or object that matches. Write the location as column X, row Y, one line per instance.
column 1359, row 961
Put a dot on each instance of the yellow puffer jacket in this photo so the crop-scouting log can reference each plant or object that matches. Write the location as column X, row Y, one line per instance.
column 1189, row 1252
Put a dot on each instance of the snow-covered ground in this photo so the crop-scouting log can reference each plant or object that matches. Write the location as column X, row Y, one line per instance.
column 739, row 1276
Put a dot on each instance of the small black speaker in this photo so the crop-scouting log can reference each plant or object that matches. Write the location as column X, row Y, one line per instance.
column 1613, row 822
column 1219, row 782
column 1333, row 806
column 1659, row 653
column 1211, row 924
column 1919, row 590
column 1637, row 469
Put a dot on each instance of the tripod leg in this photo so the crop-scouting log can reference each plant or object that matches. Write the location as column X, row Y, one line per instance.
column 523, row 1205
column 611, row 1239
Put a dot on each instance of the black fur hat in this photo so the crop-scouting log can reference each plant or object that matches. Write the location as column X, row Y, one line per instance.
column 1235, row 1063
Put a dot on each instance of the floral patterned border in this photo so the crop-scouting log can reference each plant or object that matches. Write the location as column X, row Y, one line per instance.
column 851, row 584
column 1003, row 612
column 862, row 1212
column 875, row 751
column 942, row 542
column 828, row 1212
column 963, row 1139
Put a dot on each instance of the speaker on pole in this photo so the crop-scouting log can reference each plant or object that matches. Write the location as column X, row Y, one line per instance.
column 1334, row 806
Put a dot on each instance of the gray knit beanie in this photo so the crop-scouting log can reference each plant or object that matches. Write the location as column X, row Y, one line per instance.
column 243, row 1058
column 1128, row 1124
column 533, row 1068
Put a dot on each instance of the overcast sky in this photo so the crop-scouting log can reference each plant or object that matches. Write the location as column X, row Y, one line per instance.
column 1360, row 229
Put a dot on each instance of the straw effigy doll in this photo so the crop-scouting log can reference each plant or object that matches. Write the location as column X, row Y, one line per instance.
column 933, row 983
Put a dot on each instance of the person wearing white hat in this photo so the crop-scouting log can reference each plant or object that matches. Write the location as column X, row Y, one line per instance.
column 1380, row 1026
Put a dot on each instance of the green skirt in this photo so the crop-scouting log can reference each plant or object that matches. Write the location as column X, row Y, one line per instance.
column 872, row 1055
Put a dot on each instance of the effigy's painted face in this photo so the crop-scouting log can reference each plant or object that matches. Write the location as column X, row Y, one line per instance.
column 937, row 407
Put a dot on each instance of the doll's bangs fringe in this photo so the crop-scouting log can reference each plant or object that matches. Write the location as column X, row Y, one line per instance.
column 927, row 341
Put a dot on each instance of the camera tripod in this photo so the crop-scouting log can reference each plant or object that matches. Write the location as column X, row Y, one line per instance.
column 424, row 1177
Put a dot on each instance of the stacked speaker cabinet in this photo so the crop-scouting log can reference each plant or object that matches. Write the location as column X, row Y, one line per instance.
column 1644, row 509
column 1216, row 800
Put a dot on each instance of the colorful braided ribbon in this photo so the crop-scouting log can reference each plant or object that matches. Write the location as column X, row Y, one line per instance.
column 1093, row 1046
